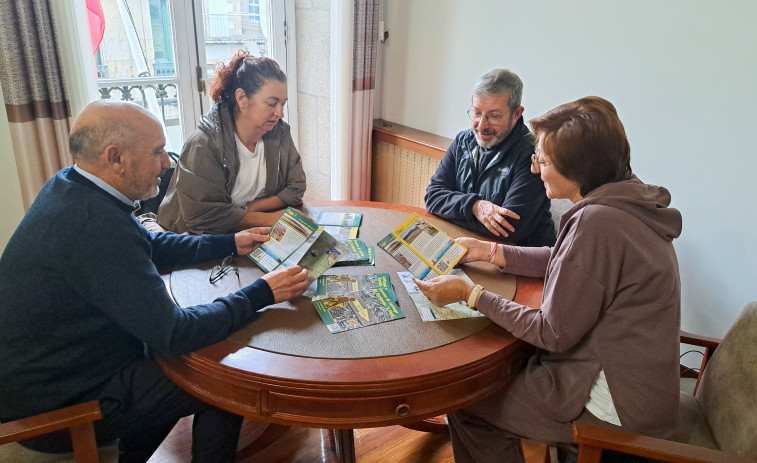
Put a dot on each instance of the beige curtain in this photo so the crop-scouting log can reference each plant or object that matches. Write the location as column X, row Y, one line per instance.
column 35, row 99
column 363, row 83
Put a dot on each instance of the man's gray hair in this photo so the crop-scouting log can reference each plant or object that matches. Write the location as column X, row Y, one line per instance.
column 499, row 82
column 89, row 142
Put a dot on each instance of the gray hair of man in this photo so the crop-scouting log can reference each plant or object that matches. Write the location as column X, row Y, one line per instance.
column 498, row 82
column 89, row 142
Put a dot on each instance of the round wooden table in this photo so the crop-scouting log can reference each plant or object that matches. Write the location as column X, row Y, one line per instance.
column 302, row 389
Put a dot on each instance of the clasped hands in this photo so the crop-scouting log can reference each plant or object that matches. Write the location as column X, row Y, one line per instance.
column 446, row 289
column 285, row 283
column 493, row 217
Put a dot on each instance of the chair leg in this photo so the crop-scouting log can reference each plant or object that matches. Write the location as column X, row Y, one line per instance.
column 84, row 443
column 589, row 454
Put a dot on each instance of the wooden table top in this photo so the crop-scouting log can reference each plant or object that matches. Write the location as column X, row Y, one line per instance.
column 466, row 360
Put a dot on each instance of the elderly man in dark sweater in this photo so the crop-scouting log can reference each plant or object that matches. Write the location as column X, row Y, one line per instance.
column 82, row 297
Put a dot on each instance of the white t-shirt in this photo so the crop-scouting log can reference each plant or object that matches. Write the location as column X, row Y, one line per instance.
column 600, row 402
column 252, row 174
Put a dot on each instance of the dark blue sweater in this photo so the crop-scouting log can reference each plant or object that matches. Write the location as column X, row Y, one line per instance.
column 81, row 296
column 504, row 179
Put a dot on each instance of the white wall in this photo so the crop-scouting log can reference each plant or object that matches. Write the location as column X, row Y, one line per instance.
column 682, row 74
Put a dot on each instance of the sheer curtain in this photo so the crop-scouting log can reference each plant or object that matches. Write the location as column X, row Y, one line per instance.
column 363, row 84
column 31, row 76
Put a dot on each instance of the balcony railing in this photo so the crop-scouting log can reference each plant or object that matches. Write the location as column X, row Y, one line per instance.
column 136, row 90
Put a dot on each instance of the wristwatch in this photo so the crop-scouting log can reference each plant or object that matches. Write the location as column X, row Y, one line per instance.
column 473, row 298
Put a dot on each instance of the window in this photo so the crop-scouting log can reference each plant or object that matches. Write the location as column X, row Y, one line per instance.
column 161, row 53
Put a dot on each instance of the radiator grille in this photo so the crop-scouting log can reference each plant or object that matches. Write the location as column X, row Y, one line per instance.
column 399, row 175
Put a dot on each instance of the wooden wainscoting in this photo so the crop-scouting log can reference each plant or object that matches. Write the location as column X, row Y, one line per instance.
column 404, row 159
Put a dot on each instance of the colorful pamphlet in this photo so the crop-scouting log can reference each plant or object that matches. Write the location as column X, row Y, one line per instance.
column 339, row 285
column 423, row 249
column 295, row 241
column 359, row 254
column 429, row 311
column 340, row 233
column 358, row 309
column 339, row 219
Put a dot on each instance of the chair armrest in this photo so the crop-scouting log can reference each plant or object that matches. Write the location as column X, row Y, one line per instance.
column 699, row 340
column 593, row 439
column 44, row 423
column 709, row 344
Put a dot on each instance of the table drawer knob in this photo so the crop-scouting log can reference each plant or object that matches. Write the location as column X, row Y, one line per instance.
column 402, row 410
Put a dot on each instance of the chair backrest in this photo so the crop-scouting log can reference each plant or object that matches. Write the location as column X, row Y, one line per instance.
column 728, row 392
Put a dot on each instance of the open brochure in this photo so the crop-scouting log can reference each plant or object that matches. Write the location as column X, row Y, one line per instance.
column 295, row 241
column 423, row 249
column 429, row 311
column 358, row 309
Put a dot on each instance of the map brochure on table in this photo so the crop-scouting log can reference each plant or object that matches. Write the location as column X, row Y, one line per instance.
column 431, row 312
column 358, row 309
column 422, row 248
column 339, row 285
column 359, row 254
column 295, row 241
column 339, row 219
column 340, row 233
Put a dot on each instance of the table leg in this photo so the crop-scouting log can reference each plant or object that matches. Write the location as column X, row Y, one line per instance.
column 345, row 445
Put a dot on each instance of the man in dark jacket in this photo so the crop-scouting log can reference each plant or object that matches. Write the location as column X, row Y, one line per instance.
column 484, row 183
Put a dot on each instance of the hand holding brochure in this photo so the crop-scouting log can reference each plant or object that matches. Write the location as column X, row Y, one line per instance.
column 423, row 249
column 431, row 312
column 294, row 241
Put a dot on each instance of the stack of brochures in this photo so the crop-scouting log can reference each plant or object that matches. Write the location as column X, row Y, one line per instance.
column 359, row 254
column 344, row 226
column 295, row 240
column 346, row 302
column 340, row 225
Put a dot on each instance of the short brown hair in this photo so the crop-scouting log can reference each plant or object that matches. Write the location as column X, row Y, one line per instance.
column 586, row 142
column 244, row 71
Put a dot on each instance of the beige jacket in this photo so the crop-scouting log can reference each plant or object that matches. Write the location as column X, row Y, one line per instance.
column 198, row 199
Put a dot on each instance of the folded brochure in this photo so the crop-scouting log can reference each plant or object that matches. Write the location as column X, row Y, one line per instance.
column 431, row 312
column 339, row 285
column 295, row 241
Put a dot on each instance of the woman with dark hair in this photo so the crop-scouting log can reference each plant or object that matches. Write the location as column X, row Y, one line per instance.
column 607, row 330
column 241, row 167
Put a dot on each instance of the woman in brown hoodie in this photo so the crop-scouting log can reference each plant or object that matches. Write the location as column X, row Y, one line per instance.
column 607, row 329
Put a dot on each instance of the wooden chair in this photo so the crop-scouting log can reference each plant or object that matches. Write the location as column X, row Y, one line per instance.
column 78, row 419
column 716, row 424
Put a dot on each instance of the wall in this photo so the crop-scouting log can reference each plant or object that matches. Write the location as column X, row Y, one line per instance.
column 682, row 74
column 10, row 190
column 312, row 18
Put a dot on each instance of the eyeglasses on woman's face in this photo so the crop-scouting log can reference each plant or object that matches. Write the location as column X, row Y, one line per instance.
column 536, row 163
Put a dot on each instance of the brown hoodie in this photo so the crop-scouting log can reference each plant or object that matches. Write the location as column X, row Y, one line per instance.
column 611, row 301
